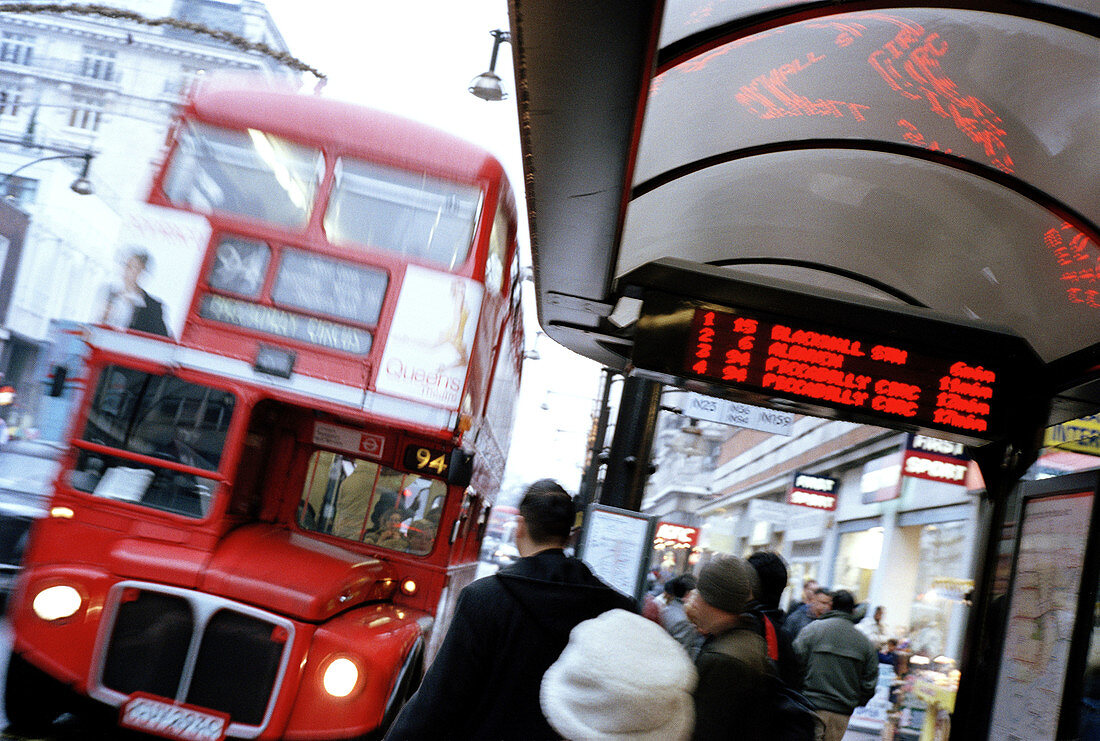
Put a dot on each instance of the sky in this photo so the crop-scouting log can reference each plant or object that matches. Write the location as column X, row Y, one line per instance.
column 417, row 58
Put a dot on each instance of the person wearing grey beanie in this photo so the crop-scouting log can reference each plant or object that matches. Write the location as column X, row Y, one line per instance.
column 736, row 679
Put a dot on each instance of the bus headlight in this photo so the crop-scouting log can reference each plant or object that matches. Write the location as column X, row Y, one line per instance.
column 56, row 602
column 340, row 677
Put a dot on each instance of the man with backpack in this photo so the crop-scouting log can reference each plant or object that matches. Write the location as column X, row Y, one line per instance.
column 772, row 573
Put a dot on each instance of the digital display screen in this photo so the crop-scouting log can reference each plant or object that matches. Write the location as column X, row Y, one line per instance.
column 774, row 344
column 848, row 370
column 432, row 461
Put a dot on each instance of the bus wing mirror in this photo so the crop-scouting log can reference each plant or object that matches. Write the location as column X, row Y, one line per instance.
column 57, row 382
column 461, row 469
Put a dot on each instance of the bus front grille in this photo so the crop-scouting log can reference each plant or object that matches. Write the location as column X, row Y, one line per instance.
column 195, row 649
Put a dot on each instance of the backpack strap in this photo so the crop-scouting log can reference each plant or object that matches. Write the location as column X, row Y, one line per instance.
column 770, row 637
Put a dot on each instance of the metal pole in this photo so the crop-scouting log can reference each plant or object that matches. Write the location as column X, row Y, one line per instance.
column 587, row 494
column 628, row 463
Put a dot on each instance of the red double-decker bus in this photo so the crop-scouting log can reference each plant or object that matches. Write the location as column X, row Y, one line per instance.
column 261, row 526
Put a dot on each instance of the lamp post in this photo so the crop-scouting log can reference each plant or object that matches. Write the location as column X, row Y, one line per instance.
column 487, row 85
column 81, row 186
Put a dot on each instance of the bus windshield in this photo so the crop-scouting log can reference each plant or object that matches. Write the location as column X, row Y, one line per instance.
column 248, row 173
column 161, row 417
column 370, row 503
column 409, row 214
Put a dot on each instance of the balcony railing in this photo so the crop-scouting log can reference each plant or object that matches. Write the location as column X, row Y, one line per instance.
column 67, row 70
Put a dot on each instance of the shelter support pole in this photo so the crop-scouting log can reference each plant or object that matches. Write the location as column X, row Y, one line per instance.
column 628, row 462
column 590, row 480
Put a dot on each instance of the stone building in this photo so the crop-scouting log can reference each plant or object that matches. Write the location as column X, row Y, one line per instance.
column 73, row 85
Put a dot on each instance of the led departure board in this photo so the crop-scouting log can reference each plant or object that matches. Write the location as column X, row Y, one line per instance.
column 868, row 363
column 788, row 358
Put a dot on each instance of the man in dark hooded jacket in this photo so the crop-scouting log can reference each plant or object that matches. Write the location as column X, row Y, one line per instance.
column 507, row 630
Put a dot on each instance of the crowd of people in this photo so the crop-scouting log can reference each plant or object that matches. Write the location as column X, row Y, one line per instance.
column 545, row 650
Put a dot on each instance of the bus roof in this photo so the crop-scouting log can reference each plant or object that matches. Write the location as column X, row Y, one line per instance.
column 339, row 126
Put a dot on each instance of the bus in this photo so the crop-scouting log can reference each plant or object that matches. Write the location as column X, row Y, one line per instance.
column 265, row 514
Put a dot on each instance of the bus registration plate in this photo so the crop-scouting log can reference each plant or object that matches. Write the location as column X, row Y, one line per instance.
column 164, row 718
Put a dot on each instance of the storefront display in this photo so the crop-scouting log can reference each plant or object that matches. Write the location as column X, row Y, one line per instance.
column 938, row 691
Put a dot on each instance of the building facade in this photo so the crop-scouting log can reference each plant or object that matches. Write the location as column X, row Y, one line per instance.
column 73, row 85
column 838, row 502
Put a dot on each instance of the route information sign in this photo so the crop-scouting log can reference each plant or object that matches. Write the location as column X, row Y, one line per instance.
column 902, row 367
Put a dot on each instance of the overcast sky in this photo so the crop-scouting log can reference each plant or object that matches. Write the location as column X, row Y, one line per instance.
column 417, row 58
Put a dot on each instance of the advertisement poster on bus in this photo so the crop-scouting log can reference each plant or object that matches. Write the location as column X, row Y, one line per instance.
column 157, row 256
column 428, row 350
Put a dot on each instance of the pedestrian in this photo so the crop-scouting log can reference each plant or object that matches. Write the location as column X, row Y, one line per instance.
column 771, row 571
column 819, row 604
column 675, row 620
column 888, row 653
column 874, row 628
column 654, row 599
column 736, row 679
column 620, row 677
column 840, row 665
column 507, row 629
column 808, row 587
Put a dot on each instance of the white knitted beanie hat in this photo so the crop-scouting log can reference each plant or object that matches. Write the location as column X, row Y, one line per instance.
column 620, row 677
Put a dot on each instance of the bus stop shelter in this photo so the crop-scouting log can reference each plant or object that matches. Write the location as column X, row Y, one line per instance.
column 895, row 170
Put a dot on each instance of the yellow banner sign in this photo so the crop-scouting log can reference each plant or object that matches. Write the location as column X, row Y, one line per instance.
column 1080, row 435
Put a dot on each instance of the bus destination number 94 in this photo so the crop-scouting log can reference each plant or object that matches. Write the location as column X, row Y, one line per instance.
column 428, row 460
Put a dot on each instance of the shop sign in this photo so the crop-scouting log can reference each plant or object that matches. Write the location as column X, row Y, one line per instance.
column 734, row 413
column 765, row 510
column 1080, row 436
column 671, row 535
column 880, row 479
column 935, row 460
column 811, row 490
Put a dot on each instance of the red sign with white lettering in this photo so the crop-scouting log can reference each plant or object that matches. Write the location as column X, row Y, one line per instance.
column 671, row 535
column 815, row 492
column 935, row 460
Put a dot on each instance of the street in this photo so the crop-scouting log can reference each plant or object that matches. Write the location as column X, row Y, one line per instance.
column 76, row 732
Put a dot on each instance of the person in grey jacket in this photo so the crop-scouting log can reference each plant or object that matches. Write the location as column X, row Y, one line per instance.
column 675, row 620
column 839, row 664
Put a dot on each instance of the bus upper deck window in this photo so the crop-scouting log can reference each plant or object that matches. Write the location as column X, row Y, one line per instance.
column 407, row 213
column 247, row 173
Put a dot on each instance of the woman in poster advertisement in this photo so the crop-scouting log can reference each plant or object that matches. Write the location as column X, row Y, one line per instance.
column 455, row 336
column 129, row 306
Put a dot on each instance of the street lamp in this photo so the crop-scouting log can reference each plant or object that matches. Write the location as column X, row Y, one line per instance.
column 81, row 186
column 487, row 85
